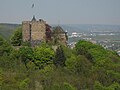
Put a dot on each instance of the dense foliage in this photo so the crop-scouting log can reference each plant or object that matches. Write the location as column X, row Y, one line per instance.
column 86, row 67
column 16, row 39
column 43, row 56
column 59, row 60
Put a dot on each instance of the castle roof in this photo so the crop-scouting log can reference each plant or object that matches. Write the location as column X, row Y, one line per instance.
column 58, row 30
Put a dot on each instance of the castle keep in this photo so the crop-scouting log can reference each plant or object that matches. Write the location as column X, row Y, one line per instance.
column 36, row 32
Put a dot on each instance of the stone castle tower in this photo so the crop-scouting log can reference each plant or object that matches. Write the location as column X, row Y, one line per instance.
column 60, row 36
column 36, row 32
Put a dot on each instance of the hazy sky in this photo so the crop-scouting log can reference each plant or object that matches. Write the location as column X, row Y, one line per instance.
column 61, row 11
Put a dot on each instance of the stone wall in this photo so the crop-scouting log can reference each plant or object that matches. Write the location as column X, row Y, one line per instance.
column 34, row 31
column 26, row 30
column 61, row 38
column 38, row 30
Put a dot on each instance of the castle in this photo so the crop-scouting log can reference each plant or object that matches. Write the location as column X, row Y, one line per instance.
column 36, row 32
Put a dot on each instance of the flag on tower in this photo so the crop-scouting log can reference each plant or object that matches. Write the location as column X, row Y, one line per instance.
column 32, row 5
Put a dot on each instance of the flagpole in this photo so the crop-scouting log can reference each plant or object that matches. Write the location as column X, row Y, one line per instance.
column 33, row 5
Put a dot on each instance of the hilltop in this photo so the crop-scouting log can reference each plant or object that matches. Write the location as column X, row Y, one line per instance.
column 86, row 67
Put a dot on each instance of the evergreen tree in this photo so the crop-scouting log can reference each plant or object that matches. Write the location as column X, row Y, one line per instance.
column 60, row 58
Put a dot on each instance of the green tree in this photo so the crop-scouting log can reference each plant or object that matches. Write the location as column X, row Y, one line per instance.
column 115, row 86
column 43, row 56
column 5, row 47
column 99, row 86
column 16, row 39
column 1, row 77
column 24, row 85
column 82, row 48
column 64, row 86
column 79, row 65
column 26, row 55
column 60, row 58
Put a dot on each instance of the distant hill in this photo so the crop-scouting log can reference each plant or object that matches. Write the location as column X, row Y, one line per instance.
column 6, row 29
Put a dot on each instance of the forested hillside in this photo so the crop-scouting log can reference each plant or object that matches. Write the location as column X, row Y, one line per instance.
column 86, row 67
column 6, row 30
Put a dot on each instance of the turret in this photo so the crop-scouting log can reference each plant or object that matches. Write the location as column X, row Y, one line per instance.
column 34, row 19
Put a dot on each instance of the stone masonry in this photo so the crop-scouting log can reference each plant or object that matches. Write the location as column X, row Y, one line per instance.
column 36, row 32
